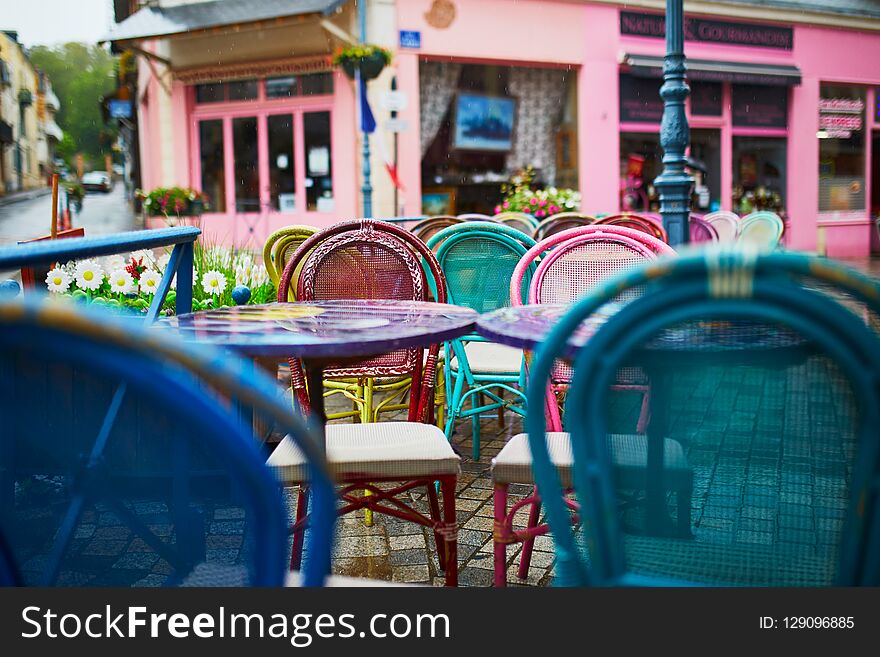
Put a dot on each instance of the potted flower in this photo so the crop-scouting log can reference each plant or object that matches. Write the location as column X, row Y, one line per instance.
column 540, row 203
column 173, row 201
column 370, row 59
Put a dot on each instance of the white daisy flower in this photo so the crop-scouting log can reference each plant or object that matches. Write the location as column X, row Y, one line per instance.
column 114, row 262
column 162, row 262
column 121, row 282
column 70, row 268
column 213, row 282
column 89, row 275
column 58, row 280
column 150, row 280
column 144, row 254
column 259, row 276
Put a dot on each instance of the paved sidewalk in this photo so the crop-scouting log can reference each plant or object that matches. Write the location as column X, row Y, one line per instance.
column 26, row 195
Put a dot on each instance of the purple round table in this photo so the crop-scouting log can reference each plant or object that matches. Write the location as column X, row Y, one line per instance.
column 323, row 332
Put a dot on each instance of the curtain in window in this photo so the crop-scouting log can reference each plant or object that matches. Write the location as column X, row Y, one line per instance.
column 540, row 94
column 438, row 82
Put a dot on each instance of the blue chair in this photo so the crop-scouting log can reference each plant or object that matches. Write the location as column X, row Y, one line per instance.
column 140, row 473
column 766, row 389
column 478, row 259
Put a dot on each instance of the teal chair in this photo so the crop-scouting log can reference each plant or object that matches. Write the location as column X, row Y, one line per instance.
column 478, row 259
column 767, row 381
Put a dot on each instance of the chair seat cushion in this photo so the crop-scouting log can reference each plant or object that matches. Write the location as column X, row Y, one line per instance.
column 399, row 450
column 513, row 465
column 491, row 358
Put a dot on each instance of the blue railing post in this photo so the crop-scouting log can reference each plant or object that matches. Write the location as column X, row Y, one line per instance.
column 674, row 184
column 183, row 302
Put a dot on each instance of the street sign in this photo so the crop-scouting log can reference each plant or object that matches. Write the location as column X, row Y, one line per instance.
column 396, row 125
column 410, row 39
column 394, row 101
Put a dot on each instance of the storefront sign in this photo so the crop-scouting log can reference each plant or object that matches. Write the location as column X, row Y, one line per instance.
column 709, row 31
column 706, row 98
column 640, row 100
column 410, row 39
column 840, row 117
column 758, row 106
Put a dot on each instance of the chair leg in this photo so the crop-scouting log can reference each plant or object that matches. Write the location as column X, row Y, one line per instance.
column 366, row 417
column 525, row 558
column 447, row 486
column 475, row 427
column 302, row 509
column 435, row 516
column 499, row 501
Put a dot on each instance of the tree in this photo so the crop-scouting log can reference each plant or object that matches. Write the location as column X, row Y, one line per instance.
column 80, row 75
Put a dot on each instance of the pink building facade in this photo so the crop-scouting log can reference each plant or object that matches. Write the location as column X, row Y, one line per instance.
column 785, row 112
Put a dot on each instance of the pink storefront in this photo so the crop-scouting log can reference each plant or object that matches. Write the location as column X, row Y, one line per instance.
column 784, row 114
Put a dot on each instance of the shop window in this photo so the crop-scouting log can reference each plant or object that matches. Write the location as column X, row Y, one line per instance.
column 211, row 92
column 244, row 147
column 759, row 174
column 640, row 100
column 211, row 160
column 704, row 164
column 316, row 84
column 759, row 106
column 841, row 148
column 243, row 90
column 283, row 87
column 640, row 162
column 312, row 84
column 219, row 92
column 281, row 172
column 705, row 98
column 319, row 175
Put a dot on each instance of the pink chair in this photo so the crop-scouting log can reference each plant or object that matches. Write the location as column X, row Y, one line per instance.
column 701, row 231
column 725, row 223
column 643, row 222
column 568, row 265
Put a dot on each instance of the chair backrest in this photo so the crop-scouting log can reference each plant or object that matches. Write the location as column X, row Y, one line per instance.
column 761, row 229
column 561, row 221
column 643, row 222
column 701, row 231
column 142, row 474
column 475, row 216
column 429, row 227
column 620, row 256
column 282, row 244
column 725, row 223
column 478, row 259
column 764, row 408
column 370, row 259
column 520, row 220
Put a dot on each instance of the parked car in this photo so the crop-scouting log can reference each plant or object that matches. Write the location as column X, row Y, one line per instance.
column 97, row 181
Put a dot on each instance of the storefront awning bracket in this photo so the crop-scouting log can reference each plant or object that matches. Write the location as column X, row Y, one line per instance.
column 337, row 31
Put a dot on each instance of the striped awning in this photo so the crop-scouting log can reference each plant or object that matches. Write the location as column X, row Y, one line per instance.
column 651, row 66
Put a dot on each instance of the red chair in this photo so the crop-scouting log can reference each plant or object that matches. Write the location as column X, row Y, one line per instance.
column 370, row 259
column 643, row 222
column 561, row 221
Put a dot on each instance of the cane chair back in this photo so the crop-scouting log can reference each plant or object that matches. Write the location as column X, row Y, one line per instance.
column 427, row 228
column 142, row 463
column 644, row 223
column 701, row 231
column 761, row 229
column 725, row 223
column 370, row 259
column 282, row 244
column 475, row 216
column 561, row 221
column 522, row 221
column 764, row 408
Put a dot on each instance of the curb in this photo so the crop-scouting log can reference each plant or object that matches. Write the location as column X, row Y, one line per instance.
column 24, row 196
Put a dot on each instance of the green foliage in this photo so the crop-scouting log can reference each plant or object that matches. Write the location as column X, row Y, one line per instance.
column 519, row 196
column 181, row 201
column 80, row 75
column 358, row 52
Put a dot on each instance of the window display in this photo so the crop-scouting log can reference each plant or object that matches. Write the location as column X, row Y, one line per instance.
column 841, row 148
column 759, row 174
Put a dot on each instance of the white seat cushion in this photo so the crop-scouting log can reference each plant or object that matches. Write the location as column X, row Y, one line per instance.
column 401, row 450
column 491, row 358
column 513, row 465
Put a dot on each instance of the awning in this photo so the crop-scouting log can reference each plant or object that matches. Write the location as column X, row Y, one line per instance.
column 649, row 66
column 151, row 22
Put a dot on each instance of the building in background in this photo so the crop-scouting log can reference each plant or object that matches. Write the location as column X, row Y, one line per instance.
column 784, row 109
column 28, row 131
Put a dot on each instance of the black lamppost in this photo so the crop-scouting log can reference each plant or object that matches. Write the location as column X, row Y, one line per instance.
column 674, row 184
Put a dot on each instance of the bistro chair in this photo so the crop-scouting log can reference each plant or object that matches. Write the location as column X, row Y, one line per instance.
column 761, row 229
column 561, row 221
column 427, row 228
column 522, row 221
column 281, row 245
column 725, row 223
column 370, row 259
column 478, row 259
column 769, row 398
column 701, row 231
column 141, row 468
column 569, row 264
column 475, row 216
column 642, row 222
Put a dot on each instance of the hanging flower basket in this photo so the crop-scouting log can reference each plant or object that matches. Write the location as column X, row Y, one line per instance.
column 368, row 58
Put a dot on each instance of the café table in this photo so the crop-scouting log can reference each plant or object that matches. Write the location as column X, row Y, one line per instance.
column 692, row 344
column 323, row 332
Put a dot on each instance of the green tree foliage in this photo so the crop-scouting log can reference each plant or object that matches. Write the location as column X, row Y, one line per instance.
column 80, row 74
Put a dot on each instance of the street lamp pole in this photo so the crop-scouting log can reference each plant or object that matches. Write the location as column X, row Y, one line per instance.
column 367, row 187
column 674, row 184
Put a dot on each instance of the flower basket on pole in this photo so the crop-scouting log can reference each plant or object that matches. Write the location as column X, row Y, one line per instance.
column 368, row 58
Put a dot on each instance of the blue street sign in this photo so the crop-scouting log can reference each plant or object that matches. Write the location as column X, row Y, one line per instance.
column 120, row 109
column 410, row 39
